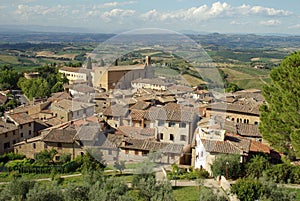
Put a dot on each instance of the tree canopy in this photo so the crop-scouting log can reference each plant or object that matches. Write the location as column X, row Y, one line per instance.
column 280, row 116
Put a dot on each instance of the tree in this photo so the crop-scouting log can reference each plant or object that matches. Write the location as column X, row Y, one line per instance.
column 76, row 193
column 17, row 189
column 43, row 193
column 45, row 157
column 280, row 116
column 230, row 162
column 89, row 63
column 256, row 166
column 247, row 189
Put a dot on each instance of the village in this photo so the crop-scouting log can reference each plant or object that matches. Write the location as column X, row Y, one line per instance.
column 126, row 113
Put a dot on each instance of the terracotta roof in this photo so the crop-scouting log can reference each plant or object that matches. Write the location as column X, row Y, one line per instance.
column 137, row 132
column 249, row 130
column 20, row 118
column 224, row 147
column 61, row 135
column 75, row 69
column 6, row 127
column 151, row 145
column 83, row 88
column 239, row 142
column 115, row 110
column 259, row 147
column 236, row 107
column 180, row 89
column 137, row 114
column 59, row 96
column 140, row 105
column 69, row 105
column 170, row 113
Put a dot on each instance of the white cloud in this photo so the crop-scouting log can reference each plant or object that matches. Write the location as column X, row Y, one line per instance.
column 234, row 22
column 217, row 9
column 270, row 22
column 296, row 26
column 26, row 11
column 269, row 11
column 117, row 15
column 116, row 4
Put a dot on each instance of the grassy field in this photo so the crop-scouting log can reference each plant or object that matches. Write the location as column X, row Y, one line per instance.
column 247, row 78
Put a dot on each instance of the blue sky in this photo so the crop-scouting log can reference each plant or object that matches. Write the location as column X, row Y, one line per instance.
column 231, row 16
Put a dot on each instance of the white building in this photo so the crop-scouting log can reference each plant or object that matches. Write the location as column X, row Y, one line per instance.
column 77, row 74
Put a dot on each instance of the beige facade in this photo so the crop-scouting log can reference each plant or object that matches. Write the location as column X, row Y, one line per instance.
column 121, row 76
column 35, row 145
column 67, row 110
column 76, row 74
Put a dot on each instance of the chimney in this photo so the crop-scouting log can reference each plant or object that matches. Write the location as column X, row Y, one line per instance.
column 148, row 61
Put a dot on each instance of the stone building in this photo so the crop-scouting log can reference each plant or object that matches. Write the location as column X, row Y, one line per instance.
column 9, row 135
column 67, row 110
column 120, row 77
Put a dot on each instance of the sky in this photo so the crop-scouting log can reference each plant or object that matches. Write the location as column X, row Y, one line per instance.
column 231, row 16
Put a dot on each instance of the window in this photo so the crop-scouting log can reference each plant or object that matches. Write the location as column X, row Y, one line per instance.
column 201, row 154
column 136, row 152
column 21, row 126
column 182, row 138
column 255, row 123
column 34, row 145
column 21, row 134
column 172, row 124
column 59, row 145
column 172, row 156
column 29, row 124
column 144, row 153
column 14, row 132
column 6, row 145
column 182, row 125
column 57, row 158
column 109, row 152
column 126, row 151
column 29, row 132
column 161, row 136
column 171, row 137
column 45, row 146
column 161, row 123
column 14, row 141
column 5, row 134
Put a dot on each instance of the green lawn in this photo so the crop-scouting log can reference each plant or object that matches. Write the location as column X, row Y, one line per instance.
column 186, row 193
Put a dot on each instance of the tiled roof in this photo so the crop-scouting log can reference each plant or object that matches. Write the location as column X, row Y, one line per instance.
column 140, row 105
column 126, row 67
column 62, row 135
column 249, row 130
column 84, row 88
column 236, row 107
column 239, row 142
column 259, row 147
column 69, row 105
column 20, row 118
column 151, row 145
column 59, row 96
column 137, row 114
column 115, row 110
column 180, row 88
column 6, row 127
column 224, row 147
column 75, row 70
column 170, row 113
column 137, row 132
